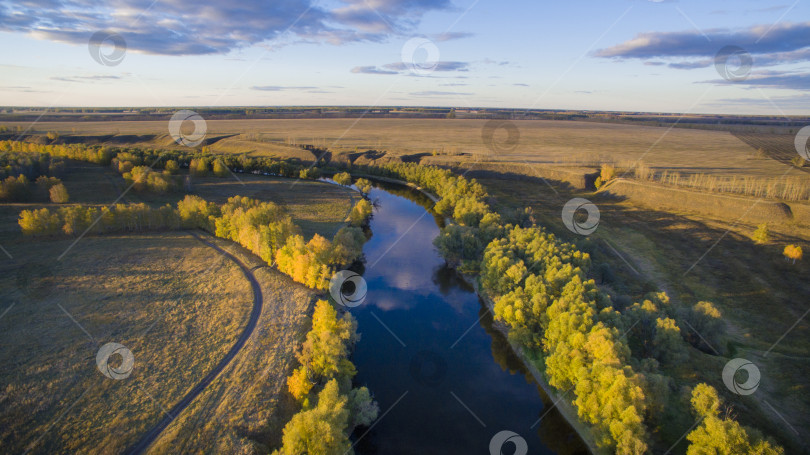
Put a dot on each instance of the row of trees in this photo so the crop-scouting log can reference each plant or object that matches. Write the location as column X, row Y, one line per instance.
column 262, row 227
column 20, row 189
column 322, row 385
column 542, row 293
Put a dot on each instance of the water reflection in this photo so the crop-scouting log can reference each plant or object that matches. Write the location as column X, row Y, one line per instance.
column 446, row 377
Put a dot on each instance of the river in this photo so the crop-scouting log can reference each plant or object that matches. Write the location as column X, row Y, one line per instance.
column 445, row 380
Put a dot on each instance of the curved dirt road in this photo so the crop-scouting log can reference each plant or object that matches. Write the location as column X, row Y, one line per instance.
column 150, row 436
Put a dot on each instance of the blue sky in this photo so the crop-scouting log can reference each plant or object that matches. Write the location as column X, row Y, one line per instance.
column 631, row 55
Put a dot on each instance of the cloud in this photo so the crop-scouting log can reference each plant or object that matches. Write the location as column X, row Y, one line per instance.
column 279, row 88
column 520, row 85
column 439, row 66
column 760, row 39
column 84, row 78
column 176, row 27
column 773, row 79
column 448, row 36
column 453, row 84
column 371, row 70
column 405, row 69
column 783, row 102
column 439, row 93
column 385, row 16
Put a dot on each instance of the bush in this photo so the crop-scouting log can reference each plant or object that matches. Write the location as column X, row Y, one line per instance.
column 59, row 194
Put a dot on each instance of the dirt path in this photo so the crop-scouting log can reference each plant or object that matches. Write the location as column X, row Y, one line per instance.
column 150, row 436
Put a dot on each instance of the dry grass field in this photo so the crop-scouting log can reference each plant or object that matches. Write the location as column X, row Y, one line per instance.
column 541, row 141
column 174, row 302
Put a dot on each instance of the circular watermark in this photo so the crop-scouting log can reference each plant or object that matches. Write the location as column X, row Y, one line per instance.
column 107, row 48
column 428, row 368
column 420, row 56
column 802, row 138
column 348, row 288
column 188, row 139
column 733, row 63
column 585, row 227
column 121, row 371
column 493, row 132
column 730, row 376
column 502, row 437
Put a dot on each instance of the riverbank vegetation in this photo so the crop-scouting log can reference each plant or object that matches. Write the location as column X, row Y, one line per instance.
column 322, row 384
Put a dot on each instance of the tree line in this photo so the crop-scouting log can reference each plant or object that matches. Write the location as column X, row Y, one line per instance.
column 264, row 228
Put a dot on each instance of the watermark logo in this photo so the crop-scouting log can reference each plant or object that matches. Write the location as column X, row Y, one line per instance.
column 802, row 138
column 107, row 48
column 493, row 136
column 732, row 372
column 569, row 212
column 348, row 288
column 428, row 368
column 502, row 437
column 192, row 139
column 420, row 56
column 121, row 371
column 733, row 63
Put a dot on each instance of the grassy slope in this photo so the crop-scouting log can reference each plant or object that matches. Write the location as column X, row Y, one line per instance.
column 171, row 300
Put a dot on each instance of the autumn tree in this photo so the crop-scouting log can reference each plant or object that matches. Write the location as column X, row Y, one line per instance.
column 723, row 435
column 321, row 430
column 363, row 186
column 762, row 234
column 792, row 252
column 343, row 178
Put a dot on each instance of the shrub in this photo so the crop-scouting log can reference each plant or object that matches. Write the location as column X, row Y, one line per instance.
column 59, row 194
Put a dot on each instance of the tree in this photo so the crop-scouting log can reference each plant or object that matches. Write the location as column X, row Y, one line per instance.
column 321, row 430
column 706, row 328
column 363, row 185
column 762, row 234
column 793, row 252
column 219, row 168
column 343, row 178
column 723, row 436
column 172, row 167
column 360, row 213
column 668, row 344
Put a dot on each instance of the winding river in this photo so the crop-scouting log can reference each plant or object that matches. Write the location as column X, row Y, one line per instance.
column 446, row 381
